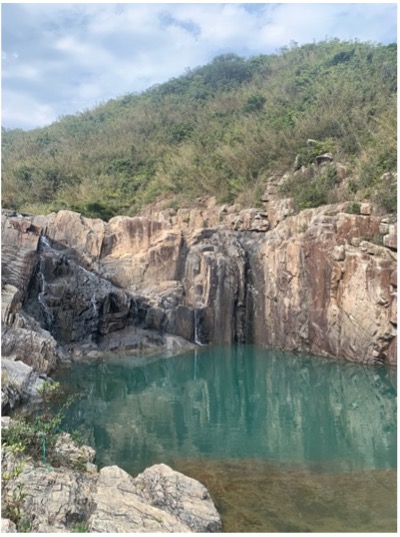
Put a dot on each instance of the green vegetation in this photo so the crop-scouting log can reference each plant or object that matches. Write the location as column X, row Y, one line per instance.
column 353, row 208
column 13, row 509
column 32, row 439
column 35, row 437
column 80, row 527
column 221, row 129
column 49, row 391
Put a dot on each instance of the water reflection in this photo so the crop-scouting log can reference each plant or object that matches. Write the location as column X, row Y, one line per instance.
column 231, row 402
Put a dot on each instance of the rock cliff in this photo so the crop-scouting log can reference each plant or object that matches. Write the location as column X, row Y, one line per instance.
column 322, row 281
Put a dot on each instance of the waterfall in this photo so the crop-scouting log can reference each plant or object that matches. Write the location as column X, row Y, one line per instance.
column 196, row 328
column 94, row 305
column 48, row 314
column 44, row 243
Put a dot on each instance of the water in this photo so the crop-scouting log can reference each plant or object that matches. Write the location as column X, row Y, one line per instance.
column 283, row 442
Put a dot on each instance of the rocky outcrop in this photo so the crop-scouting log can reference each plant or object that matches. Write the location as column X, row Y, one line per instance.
column 181, row 496
column 322, row 281
column 159, row 500
column 75, row 497
column 328, row 287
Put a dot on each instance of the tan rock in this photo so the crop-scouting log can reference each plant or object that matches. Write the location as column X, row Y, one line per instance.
column 119, row 509
column 7, row 526
column 390, row 240
column 366, row 209
column 316, row 281
column 70, row 454
column 181, row 496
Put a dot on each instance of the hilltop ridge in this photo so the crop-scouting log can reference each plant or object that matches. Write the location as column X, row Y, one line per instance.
column 221, row 130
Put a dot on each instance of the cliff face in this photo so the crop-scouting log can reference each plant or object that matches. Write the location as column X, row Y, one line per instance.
column 323, row 281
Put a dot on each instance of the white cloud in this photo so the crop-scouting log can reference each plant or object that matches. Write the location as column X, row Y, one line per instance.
column 67, row 57
column 22, row 111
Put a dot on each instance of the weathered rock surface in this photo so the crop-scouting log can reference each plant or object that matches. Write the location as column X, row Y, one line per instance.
column 7, row 526
column 181, row 496
column 68, row 453
column 19, row 382
column 161, row 501
column 110, row 501
column 325, row 291
column 320, row 281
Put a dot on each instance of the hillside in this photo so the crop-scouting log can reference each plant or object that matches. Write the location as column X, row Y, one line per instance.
column 221, row 129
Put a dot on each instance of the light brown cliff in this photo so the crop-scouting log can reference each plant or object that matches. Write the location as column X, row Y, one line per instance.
column 323, row 281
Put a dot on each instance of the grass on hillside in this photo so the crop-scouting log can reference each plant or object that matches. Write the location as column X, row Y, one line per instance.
column 221, row 129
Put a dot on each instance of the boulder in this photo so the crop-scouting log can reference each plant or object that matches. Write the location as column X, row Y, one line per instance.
column 70, row 454
column 119, row 509
column 181, row 496
column 324, row 158
column 17, row 379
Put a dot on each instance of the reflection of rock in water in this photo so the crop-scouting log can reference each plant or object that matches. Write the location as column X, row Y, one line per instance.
column 256, row 496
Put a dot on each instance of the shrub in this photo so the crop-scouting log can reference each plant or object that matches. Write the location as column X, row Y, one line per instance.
column 353, row 208
column 308, row 192
column 49, row 391
column 37, row 437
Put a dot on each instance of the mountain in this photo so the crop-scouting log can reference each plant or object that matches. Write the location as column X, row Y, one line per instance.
column 221, row 130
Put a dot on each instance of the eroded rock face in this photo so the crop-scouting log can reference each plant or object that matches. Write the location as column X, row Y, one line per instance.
column 327, row 291
column 321, row 281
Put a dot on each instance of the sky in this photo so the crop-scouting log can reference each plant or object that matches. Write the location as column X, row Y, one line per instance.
column 60, row 59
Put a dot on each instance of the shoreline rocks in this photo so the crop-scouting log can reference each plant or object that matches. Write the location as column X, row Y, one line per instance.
column 66, row 498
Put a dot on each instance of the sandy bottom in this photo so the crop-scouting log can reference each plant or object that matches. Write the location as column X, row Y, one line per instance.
column 258, row 496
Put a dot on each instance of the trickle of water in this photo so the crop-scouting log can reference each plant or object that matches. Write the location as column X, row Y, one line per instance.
column 196, row 328
column 44, row 242
column 48, row 314
column 94, row 305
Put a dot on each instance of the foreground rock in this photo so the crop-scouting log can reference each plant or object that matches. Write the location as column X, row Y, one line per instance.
column 65, row 499
column 182, row 497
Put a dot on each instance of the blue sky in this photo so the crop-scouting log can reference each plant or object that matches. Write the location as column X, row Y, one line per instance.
column 60, row 59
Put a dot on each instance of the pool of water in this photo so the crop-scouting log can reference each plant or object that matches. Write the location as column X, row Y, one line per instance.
column 283, row 442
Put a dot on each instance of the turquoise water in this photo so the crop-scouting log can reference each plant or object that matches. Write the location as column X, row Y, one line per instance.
column 244, row 410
